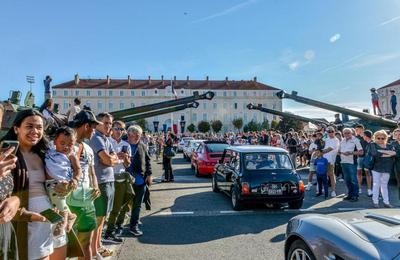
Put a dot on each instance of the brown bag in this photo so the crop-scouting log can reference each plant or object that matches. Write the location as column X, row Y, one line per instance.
column 74, row 247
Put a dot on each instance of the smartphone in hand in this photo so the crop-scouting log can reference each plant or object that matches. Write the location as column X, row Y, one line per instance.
column 52, row 216
column 124, row 149
column 7, row 144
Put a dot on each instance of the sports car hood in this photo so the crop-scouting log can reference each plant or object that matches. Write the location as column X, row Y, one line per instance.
column 374, row 225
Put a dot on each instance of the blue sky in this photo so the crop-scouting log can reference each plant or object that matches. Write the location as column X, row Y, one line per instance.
column 331, row 50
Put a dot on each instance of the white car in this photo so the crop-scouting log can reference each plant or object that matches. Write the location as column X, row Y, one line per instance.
column 183, row 142
column 190, row 147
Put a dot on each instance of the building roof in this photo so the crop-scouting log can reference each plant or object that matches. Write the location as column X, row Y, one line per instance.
column 394, row 83
column 161, row 84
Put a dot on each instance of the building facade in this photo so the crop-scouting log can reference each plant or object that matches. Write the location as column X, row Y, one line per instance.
column 229, row 102
column 384, row 96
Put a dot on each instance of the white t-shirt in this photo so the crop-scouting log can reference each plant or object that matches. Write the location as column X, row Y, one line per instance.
column 349, row 146
column 86, row 160
column 119, row 168
column 72, row 112
column 334, row 144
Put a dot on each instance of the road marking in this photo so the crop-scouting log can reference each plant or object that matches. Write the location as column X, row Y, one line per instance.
column 350, row 209
column 233, row 211
column 169, row 213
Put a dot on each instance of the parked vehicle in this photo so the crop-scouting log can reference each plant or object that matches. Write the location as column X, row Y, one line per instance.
column 183, row 142
column 365, row 234
column 206, row 156
column 258, row 174
column 191, row 146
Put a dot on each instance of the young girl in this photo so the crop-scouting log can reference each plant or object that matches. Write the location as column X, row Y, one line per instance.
column 62, row 165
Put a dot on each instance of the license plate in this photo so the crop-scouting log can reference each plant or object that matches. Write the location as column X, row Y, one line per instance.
column 271, row 189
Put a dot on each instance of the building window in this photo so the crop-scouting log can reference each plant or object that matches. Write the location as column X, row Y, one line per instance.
column 54, row 93
column 110, row 93
column 225, row 105
column 132, row 93
column 205, row 117
column 274, row 106
column 121, row 106
column 235, row 106
column 245, row 93
column 224, row 93
column 99, row 93
column 156, row 91
column 132, row 105
column 204, row 105
column 77, row 93
column 65, row 93
column 88, row 93
column 100, row 106
column 182, row 92
column 110, row 106
column 194, row 116
column 234, row 93
column 245, row 118
column 254, row 93
column 215, row 106
column 121, row 93
column 143, row 93
column 65, row 105
column 88, row 104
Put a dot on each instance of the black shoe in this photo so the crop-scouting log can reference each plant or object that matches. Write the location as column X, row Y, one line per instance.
column 135, row 232
column 354, row 199
column 171, row 180
column 164, row 180
column 118, row 230
column 112, row 239
column 318, row 194
column 347, row 198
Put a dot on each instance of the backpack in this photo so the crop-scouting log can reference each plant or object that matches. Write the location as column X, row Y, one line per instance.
column 369, row 158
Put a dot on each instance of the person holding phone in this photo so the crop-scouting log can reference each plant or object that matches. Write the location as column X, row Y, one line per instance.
column 34, row 232
column 122, row 184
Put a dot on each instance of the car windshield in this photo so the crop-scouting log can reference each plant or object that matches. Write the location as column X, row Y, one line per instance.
column 267, row 161
column 216, row 147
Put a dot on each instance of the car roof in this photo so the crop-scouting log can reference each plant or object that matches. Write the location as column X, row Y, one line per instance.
column 256, row 149
column 214, row 142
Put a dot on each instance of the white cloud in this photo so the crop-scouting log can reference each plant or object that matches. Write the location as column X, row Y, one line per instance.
column 226, row 11
column 389, row 21
column 294, row 65
column 335, row 38
column 309, row 55
column 375, row 59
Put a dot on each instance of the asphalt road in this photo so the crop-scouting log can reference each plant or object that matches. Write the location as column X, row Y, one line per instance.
column 189, row 221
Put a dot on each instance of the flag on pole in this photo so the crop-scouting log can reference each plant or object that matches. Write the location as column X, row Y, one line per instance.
column 173, row 90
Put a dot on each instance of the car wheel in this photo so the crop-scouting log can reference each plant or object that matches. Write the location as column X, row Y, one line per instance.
column 237, row 204
column 295, row 204
column 214, row 184
column 299, row 250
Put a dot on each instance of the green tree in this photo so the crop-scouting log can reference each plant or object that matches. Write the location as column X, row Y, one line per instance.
column 204, row 126
column 288, row 123
column 265, row 125
column 274, row 124
column 191, row 128
column 216, row 125
column 237, row 123
column 142, row 123
column 252, row 126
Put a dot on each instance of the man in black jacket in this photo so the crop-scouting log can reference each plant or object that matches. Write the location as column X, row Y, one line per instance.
column 140, row 169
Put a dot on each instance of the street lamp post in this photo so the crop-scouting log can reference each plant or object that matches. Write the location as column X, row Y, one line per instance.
column 182, row 123
column 30, row 80
column 155, row 124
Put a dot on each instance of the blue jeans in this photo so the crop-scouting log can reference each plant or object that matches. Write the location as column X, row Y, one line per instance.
column 137, row 204
column 394, row 109
column 322, row 180
column 350, row 176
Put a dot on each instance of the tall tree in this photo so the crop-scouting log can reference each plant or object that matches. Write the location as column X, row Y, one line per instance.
column 203, row 126
column 216, row 125
column 191, row 128
column 237, row 123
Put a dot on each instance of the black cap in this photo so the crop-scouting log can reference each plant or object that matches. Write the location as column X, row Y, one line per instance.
column 368, row 133
column 83, row 117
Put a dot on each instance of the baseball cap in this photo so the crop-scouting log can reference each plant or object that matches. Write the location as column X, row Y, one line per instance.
column 392, row 90
column 83, row 117
column 368, row 133
column 330, row 129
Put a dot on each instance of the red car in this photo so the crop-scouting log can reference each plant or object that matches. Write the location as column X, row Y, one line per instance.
column 206, row 156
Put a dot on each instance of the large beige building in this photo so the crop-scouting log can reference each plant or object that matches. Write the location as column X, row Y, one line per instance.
column 231, row 98
column 384, row 96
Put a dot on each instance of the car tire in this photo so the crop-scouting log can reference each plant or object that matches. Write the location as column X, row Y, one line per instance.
column 295, row 204
column 237, row 204
column 300, row 248
column 214, row 184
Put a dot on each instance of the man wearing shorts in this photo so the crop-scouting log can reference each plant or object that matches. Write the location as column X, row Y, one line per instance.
column 360, row 162
column 330, row 151
column 105, row 159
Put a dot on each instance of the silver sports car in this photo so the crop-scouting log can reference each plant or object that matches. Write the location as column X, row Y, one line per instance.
column 364, row 234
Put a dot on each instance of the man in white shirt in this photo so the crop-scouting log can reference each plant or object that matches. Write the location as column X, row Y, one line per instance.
column 330, row 151
column 74, row 109
column 350, row 148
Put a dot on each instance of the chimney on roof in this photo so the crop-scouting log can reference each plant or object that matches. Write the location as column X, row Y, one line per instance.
column 207, row 78
column 174, row 78
column 129, row 80
column 226, row 79
column 149, row 80
column 255, row 79
column 108, row 80
column 162, row 80
column 76, row 78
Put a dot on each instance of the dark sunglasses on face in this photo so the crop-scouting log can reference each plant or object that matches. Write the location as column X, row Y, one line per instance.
column 380, row 138
column 118, row 129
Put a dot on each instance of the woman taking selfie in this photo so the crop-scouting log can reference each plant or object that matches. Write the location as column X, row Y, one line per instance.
column 34, row 232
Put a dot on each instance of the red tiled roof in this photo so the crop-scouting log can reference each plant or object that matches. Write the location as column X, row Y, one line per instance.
column 394, row 83
column 159, row 84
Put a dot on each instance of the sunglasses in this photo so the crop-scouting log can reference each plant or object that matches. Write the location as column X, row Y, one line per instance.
column 118, row 129
column 331, row 132
column 380, row 138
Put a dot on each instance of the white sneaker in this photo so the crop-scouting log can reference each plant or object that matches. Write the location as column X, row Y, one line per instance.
column 369, row 193
column 333, row 194
column 308, row 186
column 341, row 180
column 359, row 191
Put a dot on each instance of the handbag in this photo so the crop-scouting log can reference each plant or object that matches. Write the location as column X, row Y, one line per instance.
column 169, row 152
